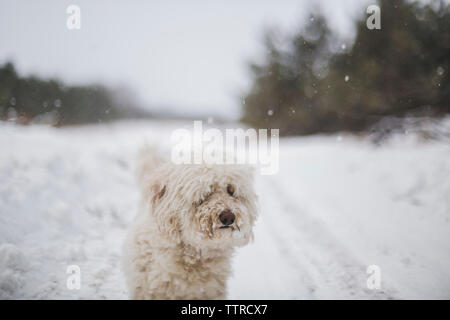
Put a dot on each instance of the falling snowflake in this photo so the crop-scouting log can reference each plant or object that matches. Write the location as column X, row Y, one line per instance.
column 57, row 103
column 440, row 71
column 346, row 78
column 270, row 112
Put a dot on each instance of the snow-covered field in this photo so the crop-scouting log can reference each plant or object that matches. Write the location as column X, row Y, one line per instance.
column 337, row 205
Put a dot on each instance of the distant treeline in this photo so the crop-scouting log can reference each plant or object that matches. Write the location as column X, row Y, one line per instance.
column 32, row 100
column 314, row 82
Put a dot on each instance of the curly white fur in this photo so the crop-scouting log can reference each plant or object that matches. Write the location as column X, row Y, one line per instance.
column 176, row 248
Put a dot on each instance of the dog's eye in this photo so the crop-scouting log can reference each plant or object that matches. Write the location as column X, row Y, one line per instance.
column 230, row 190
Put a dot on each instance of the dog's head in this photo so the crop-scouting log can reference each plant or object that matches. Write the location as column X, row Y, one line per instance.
column 205, row 206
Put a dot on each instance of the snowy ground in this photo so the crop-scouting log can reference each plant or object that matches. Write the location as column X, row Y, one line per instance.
column 337, row 205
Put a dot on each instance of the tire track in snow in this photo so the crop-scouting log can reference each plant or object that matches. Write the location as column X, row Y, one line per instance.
column 332, row 271
column 275, row 231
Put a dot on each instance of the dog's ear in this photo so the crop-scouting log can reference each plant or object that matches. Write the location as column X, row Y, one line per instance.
column 158, row 191
column 166, row 216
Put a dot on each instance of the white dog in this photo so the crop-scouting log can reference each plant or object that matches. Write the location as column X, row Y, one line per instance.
column 190, row 220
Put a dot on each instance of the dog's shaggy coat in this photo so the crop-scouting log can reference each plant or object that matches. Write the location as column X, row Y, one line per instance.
column 177, row 247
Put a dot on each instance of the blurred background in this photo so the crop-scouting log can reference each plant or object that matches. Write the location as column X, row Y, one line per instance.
column 364, row 173
column 304, row 67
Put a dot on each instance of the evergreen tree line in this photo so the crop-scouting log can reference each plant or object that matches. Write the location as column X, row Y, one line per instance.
column 32, row 100
column 313, row 82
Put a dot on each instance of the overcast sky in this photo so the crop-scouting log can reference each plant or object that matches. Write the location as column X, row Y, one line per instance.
column 184, row 56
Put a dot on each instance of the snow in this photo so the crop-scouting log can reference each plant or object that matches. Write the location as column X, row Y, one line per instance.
column 338, row 205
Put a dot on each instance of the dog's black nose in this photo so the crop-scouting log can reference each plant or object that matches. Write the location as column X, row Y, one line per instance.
column 227, row 217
